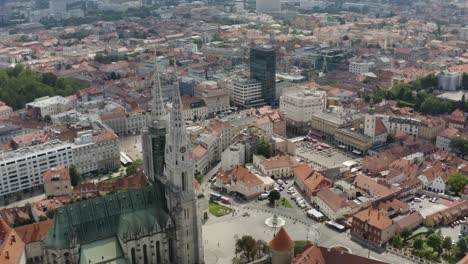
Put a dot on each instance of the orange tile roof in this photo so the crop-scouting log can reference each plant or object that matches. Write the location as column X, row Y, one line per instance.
column 199, row 151
column 243, row 175
column 61, row 172
column 34, row 232
column 334, row 200
column 12, row 247
column 314, row 254
column 281, row 241
column 105, row 136
column 279, row 161
column 375, row 218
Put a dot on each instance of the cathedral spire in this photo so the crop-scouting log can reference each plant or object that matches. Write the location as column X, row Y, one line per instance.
column 158, row 110
column 177, row 120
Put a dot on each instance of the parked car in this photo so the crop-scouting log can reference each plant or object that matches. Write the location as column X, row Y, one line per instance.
column 280, row 182
column 263, row 196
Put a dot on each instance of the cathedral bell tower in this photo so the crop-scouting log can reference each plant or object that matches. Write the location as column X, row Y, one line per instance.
column 180, row 190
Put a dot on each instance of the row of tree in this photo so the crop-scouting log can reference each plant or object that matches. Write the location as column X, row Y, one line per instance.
column 19, row 85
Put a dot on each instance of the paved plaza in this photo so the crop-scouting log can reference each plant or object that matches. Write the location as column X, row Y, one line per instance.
column 322, row 158
column 132, row 146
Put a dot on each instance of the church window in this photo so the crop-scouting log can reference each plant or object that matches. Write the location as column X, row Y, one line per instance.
column 133, row 256
column 171, row 250
column 145, row 255
column 158, row 252
column 183, row 181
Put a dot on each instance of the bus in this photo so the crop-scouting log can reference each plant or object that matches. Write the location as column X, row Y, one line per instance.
column 316, row 215
column 215, row 197
column 225, row 200
column 335, row 226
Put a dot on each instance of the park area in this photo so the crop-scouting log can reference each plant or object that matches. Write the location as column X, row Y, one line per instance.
column 219, row 210
column 430, row 245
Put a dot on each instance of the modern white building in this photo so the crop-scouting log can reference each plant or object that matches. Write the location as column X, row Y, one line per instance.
column 268, row 6
column 300, row 105
column 22, row 169
column 232, row 156
column 450, row 81
column 47, row 106
column 360, row 67
column 246, row 93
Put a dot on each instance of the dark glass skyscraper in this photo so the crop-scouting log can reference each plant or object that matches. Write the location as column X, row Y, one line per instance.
column 263, row 69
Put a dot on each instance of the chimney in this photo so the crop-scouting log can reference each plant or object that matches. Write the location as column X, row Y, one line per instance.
column 13, row 238
column 7, row 255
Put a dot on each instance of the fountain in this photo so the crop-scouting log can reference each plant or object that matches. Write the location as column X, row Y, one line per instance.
column 275, row 221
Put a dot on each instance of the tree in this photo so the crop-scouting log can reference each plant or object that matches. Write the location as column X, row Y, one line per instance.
column 75, row 176
column 435, row 241
column 460, row 146
column 464, row 84
column 447, row 243
column 132, row 168
column 216, row 37
column 247, row 247
column 397, row 242
column 457, row 182
column 406, row 233
column 274, row 195
column 418, row 243
column 263, row 148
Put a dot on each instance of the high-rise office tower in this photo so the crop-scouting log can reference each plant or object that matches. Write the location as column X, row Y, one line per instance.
column 263, row 69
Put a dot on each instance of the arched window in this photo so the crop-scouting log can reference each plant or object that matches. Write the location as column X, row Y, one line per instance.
column 171, row 250
column 145, row 255
column 133, row 256
column 158, row 252
column 183, row 181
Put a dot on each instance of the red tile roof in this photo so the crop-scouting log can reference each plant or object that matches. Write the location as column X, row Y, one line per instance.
column 34, row 232
column 375, row 218
column 321, row 255
column 281, row 241
column 12, row 247
column 61, row 172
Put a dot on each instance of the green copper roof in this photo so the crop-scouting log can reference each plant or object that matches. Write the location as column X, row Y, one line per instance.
column 106, row 250
column 122, row 214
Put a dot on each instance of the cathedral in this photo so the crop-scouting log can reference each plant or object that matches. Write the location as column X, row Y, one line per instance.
column 157, row 224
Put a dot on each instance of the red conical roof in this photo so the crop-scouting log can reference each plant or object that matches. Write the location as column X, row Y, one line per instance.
column 281, row 241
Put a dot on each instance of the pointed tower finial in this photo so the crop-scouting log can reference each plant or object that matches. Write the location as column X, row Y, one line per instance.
column 371, row 105
column 177, row 120
column 158, row 110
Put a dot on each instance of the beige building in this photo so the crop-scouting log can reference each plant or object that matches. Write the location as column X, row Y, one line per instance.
column 431, row 127
column 57, row 181
column 96, row 152
column 280, row 166
column 352, row 140
column 329, row 121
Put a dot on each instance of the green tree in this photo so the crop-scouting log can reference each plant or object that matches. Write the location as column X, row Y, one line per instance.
column 274, row 195
column 247, row 246
column 447, row 243
column 457, row 182
column 216, row 37
column 418, row 243
column 263, row 148
column 460, row 146
column 75, row 176
column 435, row 241
column 132, row 168
column 406, row 233
column 397, row 242
column 464, row 84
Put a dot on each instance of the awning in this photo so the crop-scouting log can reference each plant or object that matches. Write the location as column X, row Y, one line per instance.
column 357, row 152
column 316, row 133
column 342, row 146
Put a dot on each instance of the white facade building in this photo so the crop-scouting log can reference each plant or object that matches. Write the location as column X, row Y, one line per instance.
column 360, row 67
column 48, row 106
column 246, row 93
column 408, row 125
column 22, row 169
column 450, row 81
column 299, row 106
column 232, row 156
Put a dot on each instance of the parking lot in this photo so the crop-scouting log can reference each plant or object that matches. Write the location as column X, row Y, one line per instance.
column 322, row 158
column 425, row 207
